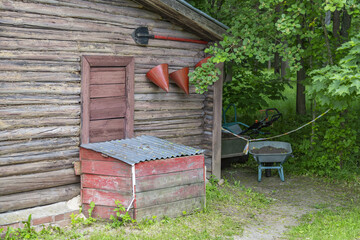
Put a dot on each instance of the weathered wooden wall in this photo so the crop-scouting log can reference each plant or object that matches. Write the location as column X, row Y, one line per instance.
column 41, row 42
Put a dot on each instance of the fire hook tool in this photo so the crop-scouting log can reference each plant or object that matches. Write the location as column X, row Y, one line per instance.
column 141, row 36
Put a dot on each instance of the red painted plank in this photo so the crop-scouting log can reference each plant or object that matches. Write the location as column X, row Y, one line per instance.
column 105, row 108
column 109, row 168
column 168, row 195
column 86, row 154
column 107, row 90
column 172, row 209
column 107, row 75
column 102, row 211
column 153, row 182
column 119, row 184
column 105, row 130
column 104, row 198
column 169, row 165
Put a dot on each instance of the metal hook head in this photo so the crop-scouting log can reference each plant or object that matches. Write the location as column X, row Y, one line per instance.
column 141, row 35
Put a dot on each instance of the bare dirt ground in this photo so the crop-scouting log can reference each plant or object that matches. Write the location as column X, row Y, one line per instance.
column 293, row 198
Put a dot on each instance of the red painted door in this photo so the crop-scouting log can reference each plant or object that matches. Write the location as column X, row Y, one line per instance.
column 106, row 99
column 107, row 104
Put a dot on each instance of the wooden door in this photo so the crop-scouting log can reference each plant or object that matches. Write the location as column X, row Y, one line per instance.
column 107, row 98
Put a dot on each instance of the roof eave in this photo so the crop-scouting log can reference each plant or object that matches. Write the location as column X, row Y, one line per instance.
column 182, row 14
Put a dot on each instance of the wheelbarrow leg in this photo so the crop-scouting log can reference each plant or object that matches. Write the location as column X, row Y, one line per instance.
column 281, row 173
column 259, row 173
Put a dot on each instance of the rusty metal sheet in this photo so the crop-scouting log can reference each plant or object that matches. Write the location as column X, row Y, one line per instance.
column 142, row 148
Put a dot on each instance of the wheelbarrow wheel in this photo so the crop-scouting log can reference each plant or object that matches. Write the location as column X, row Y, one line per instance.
column 268, row 171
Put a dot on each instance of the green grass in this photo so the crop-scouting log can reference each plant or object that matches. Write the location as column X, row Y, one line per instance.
column 223, row 217
column 342, row 224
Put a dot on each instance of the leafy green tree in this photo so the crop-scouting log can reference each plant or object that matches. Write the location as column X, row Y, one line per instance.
column 305, row 34
column 319, row 41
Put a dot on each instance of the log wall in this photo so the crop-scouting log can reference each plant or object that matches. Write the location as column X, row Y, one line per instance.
column 41, row 44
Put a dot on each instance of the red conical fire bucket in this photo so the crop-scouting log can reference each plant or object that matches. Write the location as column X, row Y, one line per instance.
column 181, row 78
column 201, row 62
column 160, row 76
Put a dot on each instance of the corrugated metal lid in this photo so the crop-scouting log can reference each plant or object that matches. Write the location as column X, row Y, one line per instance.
column 142, row 148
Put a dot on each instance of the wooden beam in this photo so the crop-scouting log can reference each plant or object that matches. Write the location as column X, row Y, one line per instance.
column 186, row 17
column 216, row 131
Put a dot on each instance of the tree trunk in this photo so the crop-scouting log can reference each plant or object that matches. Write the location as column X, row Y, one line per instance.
column 277, row 58
column 300, row 88
column 300, row 91
column 284, row 70
column 345, row 25
column 336, row 26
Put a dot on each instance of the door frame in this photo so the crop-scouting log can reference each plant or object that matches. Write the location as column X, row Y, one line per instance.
column 106, row 61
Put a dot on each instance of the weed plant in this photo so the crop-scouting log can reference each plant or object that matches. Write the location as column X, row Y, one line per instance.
column 341, row 223
column 222, row 217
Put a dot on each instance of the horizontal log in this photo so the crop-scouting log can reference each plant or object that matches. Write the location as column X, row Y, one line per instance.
column 72, row 46
column 208, row 121
column 209, row 112
column 100, row 37
column 38, row 144
column 149, row 87
column 208, row 127
column 40, row 132
column 168, row 97
column 32, row 65
column 40, row 88
column 39, row 197
column 37, row 181
column 210, row 96
column 171, row 133
column 39, row 111
column 169, row 195
column 36, row 55
column 127, row 8
column 114, row 17
column 164, row 105
column 175, row 61
column 91, row 21
column 163, row 122
column 141, row 116
column 30, row 51
column 35, row 156
column 38, row 99
column 38, row 77
column 161, row 126
column 121, row 3
column 193, row 141
column 173, row 209
column 36, row 167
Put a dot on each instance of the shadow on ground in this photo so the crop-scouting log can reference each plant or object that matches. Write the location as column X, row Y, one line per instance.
column 296, row 196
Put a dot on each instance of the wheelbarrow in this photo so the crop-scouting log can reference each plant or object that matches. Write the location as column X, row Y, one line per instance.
column 276, row 157
column 271, row 115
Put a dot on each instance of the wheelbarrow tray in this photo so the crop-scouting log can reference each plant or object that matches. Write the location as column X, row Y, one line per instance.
column 277, row 158
column 270, row 157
